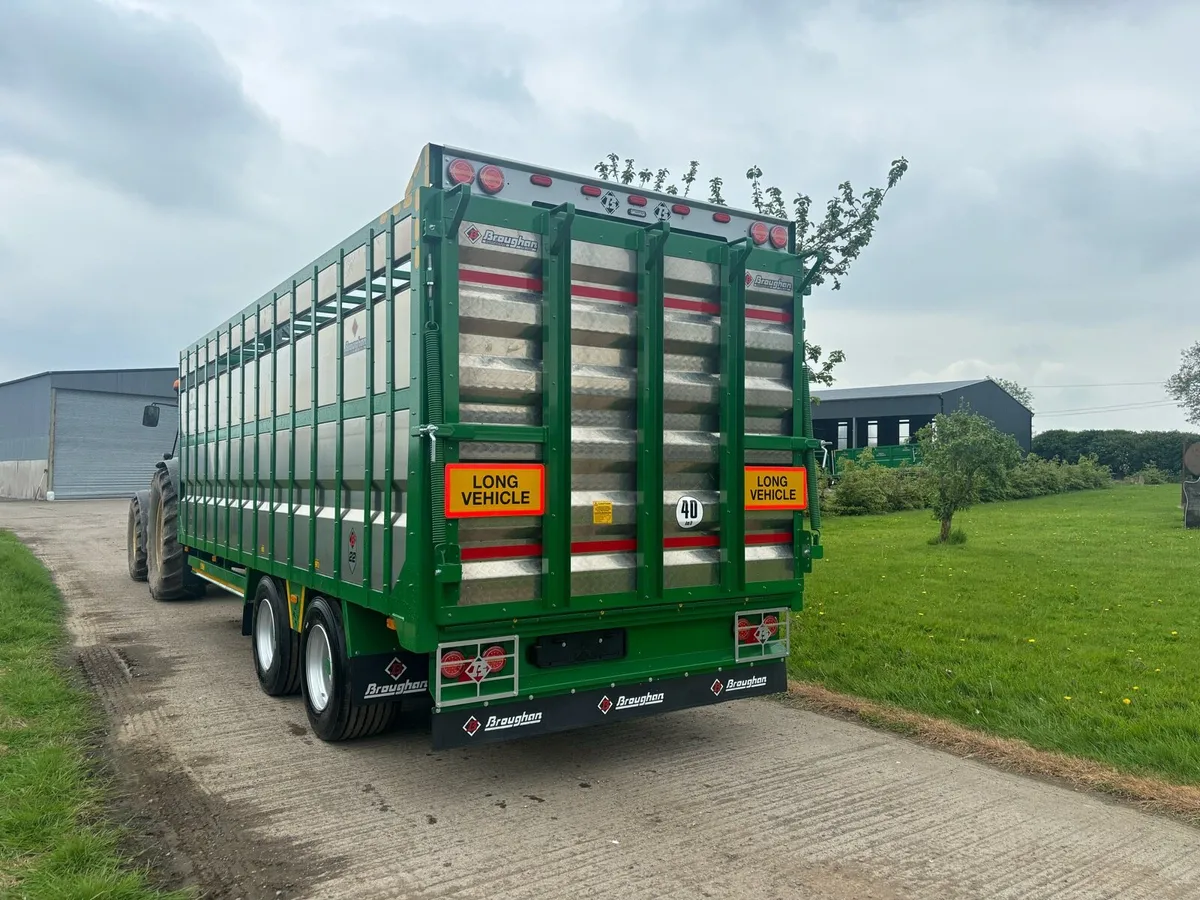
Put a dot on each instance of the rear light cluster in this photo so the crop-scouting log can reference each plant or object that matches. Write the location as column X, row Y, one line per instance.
column 491, row 178
column 456, row 667
column 749, row 633
column 760, row 233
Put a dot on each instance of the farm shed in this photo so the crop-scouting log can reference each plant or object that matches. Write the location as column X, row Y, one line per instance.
column 849, row 418
column 79, row 435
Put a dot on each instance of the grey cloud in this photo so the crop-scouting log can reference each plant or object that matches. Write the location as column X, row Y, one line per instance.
column 144, row 104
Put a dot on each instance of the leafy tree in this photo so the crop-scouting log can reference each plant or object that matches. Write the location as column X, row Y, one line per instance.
column 961, row 452
column 1184, row 386
column 841, row 235
column 1019, row 392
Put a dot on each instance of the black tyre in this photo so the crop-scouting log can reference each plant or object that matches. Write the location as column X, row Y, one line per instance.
column 276, row 645
column 167, row 571
column 135, row 535
column 332, row 714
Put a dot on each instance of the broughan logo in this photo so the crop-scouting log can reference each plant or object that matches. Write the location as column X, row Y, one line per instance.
column 394, row 690
column 624, row 702
column 499, row 239
column 499, row 723
column 771, row 283
column 745, row 684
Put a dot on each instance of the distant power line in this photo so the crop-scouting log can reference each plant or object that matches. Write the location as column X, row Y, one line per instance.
column 1107, row 384
column 1092, row 410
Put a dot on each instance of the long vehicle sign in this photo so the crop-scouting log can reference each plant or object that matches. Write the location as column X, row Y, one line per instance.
column 476, row 490
column 776, row 487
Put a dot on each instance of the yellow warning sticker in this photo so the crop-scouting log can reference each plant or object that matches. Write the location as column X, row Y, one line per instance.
column 776, row 487
column 602, row 512
column 474, row 490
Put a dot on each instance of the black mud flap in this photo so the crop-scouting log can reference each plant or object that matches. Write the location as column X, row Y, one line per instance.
column 518, row 719
column 388, row 676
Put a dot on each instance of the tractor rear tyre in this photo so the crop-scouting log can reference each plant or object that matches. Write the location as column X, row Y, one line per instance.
column 276, row 645
column 135, row 535
column 332, row 712
column 167, row 568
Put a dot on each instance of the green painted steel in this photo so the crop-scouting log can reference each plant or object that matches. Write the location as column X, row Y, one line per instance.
column 892, row 456
column 641, row 354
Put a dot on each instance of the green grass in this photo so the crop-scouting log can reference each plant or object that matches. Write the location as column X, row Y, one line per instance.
column 1071, row 622
column 55, row 842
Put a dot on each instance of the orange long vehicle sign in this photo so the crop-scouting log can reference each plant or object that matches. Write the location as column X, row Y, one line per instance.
column 476, row 490
column 776, row 487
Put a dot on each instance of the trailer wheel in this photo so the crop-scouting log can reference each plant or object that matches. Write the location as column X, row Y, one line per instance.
column 276, row 645
column 332, row 712
column 167, row 570
column 135, row 535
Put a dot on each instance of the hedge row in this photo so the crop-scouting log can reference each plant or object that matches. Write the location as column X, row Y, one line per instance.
column 866, row 488
column 1127, row 453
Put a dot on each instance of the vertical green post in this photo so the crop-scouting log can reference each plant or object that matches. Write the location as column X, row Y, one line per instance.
column 339, row 474
column 369, row 463
column 733, row 416
column 227, row 482
column 272, row 494
column 257, row 492
column 556, row 402
column 389, row 443
column 312, row 431
column 292, row 489
column 652, row 244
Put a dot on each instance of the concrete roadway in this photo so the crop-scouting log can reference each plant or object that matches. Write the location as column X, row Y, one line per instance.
column 752, row 799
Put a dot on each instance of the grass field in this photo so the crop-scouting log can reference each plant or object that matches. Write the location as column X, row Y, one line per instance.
column 54, row 841
column 1071, row 622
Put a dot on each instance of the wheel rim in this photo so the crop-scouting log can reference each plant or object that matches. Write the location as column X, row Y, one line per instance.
column 318, row 668
column 264, row 634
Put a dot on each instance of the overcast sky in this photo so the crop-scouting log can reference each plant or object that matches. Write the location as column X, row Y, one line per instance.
column 164, row 163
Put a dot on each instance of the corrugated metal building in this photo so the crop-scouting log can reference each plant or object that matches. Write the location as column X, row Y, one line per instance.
column 892, row 414
column 79, row 435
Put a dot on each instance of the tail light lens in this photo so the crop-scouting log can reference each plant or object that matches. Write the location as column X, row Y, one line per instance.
column 461, row 172
column 541, row 180
column 453, row 664
column 590, row 190
column 637, row 200
column 495, row 658
column 749, row 633
column 779, row 237
column 491, row 179
column 723, row 218
column 758, row 232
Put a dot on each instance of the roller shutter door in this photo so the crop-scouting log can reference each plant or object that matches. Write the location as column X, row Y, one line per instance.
column 101, row 448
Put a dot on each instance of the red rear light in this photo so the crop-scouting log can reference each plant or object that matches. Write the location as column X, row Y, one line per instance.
column 779, row 237
column 541, row 180
column 637, row 200
column 453, row 664
column 745, row 632
column 757, row 634
column 494, row 657
column 491, row 179
column 772, row 624
column 680, row 210
column 758, row 232
column 721, row 217
column 461, row 172
column 590, row 190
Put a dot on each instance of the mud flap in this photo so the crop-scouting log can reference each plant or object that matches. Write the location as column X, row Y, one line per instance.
column 376, row 677
column 509, row 721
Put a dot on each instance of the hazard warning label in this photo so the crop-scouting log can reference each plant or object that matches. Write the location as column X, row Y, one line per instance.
column 474, row 490
column 776, row 487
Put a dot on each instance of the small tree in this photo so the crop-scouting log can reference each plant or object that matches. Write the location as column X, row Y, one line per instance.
column 1018, row 392
column 1184, row 386
column 960, row 451
column 841, row 234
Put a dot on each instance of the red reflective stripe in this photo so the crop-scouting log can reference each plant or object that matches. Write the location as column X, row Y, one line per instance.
column 712, row 309
column 688, row 542
column 769, row 315
column 777, row 537
column 523, row 282
column 514, row 551
column 591, row 292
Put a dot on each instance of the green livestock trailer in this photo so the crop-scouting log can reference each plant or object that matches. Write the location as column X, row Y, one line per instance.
column 530, row 451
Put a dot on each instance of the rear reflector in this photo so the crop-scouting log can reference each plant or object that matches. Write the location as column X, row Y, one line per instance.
column 721, row 217
column 461, row 172
column 541, row 180
column 680, row 210
column 494, row 657
column 590, row 190
column 758, row 232
column 779, row 237
column 491, row 179
column 637, row 200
